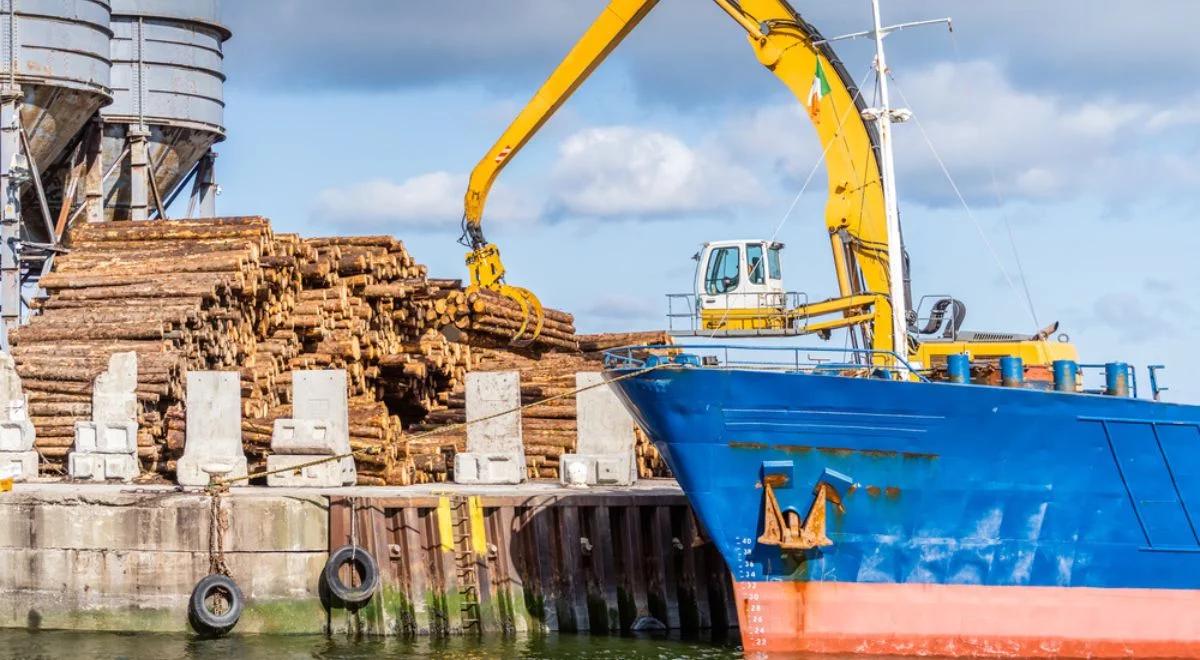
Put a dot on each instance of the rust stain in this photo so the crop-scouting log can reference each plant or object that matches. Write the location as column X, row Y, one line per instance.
column 794, row 449
column 844, row 451
column 891, row 492
column 747, row 445
column 873, row 491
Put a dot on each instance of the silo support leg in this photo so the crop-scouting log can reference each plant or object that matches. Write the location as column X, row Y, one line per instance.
column 10, row 216
column 139, row 170
column 93, row 177
column 204, row 190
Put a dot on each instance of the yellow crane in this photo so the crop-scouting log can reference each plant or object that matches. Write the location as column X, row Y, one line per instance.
column 742, row 295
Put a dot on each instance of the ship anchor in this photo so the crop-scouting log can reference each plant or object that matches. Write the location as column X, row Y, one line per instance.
column 784, row 528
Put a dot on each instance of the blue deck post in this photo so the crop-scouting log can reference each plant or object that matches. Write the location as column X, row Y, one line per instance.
column 1116, row 379
column 958, row 366
column 1066, row 375
column 1012, row 371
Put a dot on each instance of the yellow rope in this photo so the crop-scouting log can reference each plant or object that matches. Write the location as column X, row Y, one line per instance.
column 222, row 483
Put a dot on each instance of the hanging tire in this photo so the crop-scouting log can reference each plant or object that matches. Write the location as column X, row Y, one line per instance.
column 216, row 605
column 368, row 570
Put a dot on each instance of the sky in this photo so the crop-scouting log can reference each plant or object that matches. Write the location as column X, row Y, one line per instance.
column 1071, row 130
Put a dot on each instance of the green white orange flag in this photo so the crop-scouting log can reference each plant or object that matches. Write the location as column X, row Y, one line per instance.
column 819, row 90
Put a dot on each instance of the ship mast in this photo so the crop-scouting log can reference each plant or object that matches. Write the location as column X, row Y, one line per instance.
column 891, row 205
column 884, row 116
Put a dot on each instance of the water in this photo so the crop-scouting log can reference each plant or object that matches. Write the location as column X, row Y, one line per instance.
column 50, row 645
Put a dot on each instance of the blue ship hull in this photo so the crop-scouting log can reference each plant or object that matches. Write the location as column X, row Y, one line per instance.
column 961, row 494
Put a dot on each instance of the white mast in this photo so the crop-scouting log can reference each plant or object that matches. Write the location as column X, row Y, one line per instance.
column 884, row 116
column 895, row 248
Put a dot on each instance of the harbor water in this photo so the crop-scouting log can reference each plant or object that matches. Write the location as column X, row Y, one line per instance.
column 38, row 645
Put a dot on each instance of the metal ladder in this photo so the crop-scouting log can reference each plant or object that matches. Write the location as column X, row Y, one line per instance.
column 463, row 508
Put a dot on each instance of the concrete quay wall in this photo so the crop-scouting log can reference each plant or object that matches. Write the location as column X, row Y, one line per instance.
column 99, row 557
column 123, row 558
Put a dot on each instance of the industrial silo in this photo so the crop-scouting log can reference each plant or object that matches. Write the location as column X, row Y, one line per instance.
column 55, row 60
column 168, row 105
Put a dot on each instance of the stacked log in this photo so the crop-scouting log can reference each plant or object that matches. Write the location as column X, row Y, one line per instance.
column 229, row 294
column 182, row 295
column 549, row 428
column 488, row 319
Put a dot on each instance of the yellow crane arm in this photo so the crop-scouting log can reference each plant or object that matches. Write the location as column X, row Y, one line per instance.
column 855, row 216
column 617, row 20
column 792, row 50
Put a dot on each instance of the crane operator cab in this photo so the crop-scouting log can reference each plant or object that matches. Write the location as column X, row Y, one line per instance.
column 738, row 290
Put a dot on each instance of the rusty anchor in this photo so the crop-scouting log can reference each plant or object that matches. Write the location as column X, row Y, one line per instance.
column 784, row 528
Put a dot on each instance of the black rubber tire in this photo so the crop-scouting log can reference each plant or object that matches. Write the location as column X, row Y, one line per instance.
column 207, row 622
column 348, row 554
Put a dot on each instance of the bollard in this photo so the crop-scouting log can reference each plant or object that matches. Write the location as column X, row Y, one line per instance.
column 1066, row 375
column 1116, row 379
column 958, row 366
column 1012, row 371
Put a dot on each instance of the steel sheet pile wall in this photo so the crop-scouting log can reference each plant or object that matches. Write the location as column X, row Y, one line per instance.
column 584, row 562
column 231, row 294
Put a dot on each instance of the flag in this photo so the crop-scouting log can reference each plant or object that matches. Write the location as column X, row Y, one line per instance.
column 820, row 88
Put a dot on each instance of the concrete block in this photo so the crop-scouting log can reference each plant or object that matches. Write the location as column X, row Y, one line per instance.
column 10, row 382
column 106, row 437
column 22, row 465
column 320, row 426
column 604, row 453
column 102, row 467
column 489, row 393
column 597, row 470
column 16, row 436
column 321, row 395
column 197, row 471
column 114, row 392
column 329, row 474
column 479, row 468
column 304, row 436
column 214, row 429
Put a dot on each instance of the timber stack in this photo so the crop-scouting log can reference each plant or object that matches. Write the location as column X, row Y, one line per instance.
column 230, row 294
column 549, row 428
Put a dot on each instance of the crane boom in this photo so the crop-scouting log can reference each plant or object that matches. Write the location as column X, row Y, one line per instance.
column 617, row 20
column 792, row 50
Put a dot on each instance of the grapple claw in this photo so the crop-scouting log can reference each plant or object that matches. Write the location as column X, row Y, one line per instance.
column 487, row 274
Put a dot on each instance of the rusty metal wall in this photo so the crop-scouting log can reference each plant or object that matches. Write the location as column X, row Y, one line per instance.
column 577, row 562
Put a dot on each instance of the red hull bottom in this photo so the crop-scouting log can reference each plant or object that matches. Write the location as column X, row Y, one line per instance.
column 781, row 618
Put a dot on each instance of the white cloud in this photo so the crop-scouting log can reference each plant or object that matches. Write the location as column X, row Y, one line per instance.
column 628, row 171
column 1002, row 141
column 427, row 202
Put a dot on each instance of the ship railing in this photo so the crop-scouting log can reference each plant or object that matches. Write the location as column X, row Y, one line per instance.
column 1154, row 371
column 823, row 361
column 774, row 312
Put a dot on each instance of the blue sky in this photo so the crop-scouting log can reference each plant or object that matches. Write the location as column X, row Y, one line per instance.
column 1073, row 132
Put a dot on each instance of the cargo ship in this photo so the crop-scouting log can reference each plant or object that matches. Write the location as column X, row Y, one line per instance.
column 927, row 490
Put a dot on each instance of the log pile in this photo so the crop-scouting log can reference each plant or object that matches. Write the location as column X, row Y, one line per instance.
column 230, row 294
column 549, row 429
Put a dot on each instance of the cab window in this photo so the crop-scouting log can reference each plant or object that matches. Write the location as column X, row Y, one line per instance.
column 722, row 273
column 756, row 270
column 773, row 260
